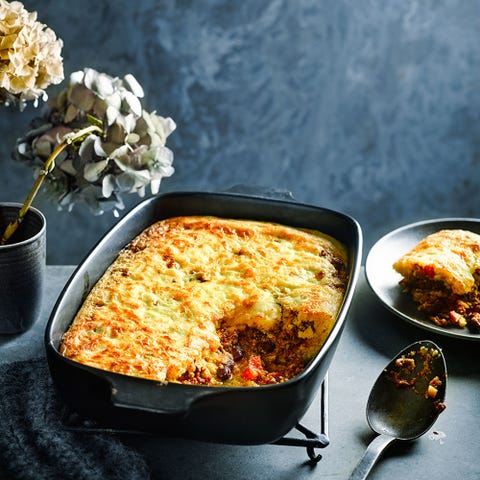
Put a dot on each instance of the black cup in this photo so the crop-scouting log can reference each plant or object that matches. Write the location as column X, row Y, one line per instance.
column 22, row 269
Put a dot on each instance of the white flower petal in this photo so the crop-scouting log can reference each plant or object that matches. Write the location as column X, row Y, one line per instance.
column 128, row 122
column 155, row 185
column 92, row 171
column 118, row 154
column 104, row 85
column 98, row 146
column 112, row 114
column 134, row 86
column 77, row 77
column 169, row 125
column 22, row 148
column 163, row 156
column 134, row 103
column 108, row 185
column 89, row 77
column 114, row 100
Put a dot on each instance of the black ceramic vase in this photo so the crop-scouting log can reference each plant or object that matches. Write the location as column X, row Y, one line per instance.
column 22, row 269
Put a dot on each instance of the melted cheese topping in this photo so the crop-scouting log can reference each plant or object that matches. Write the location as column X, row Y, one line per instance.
column 449, row 256
column 156, row 311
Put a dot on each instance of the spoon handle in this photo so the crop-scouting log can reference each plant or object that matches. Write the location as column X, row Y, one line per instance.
column 371, row 455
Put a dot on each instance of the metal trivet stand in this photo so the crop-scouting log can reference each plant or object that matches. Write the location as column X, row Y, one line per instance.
column 73, row 421
column 312, row 440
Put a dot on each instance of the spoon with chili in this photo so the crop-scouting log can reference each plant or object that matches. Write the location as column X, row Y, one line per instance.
column 405, row 400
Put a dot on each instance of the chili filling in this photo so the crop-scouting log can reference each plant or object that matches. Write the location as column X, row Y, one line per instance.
column 443, row 307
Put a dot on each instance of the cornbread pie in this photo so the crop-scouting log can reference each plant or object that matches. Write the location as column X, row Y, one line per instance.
column 214, row 301
column 442, row 275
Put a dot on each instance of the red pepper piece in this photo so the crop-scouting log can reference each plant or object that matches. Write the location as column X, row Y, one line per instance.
column 429, row 271
column 254, row 368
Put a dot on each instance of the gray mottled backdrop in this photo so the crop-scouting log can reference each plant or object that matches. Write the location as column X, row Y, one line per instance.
column 369, row 107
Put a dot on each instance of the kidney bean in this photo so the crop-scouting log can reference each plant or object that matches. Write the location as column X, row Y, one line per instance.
column 224, row 372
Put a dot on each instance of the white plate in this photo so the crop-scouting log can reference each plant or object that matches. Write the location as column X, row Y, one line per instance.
column 383, row 279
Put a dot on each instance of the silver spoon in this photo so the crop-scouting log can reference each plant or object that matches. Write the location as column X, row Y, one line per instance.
column 405, row 400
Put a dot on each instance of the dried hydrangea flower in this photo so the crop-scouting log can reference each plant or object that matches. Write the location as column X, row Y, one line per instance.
column 30, row 56
column 126, row 155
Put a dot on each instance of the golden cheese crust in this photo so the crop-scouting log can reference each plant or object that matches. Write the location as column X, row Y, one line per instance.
column 212, row 301
column 450, row 256
column 442, row 274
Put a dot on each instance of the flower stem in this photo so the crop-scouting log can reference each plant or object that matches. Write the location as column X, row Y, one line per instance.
column 48, row 166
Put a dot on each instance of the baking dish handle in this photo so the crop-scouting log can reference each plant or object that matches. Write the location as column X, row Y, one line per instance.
column 270, row 193
column 146, row 395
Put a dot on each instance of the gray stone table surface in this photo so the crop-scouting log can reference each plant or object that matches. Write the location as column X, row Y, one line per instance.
column 371, row 337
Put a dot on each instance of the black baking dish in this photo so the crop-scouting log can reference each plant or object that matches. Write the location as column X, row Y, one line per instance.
column 235, row 415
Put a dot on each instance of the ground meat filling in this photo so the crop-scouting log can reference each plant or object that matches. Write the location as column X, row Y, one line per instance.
column 442, row 306
column 259, row 358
